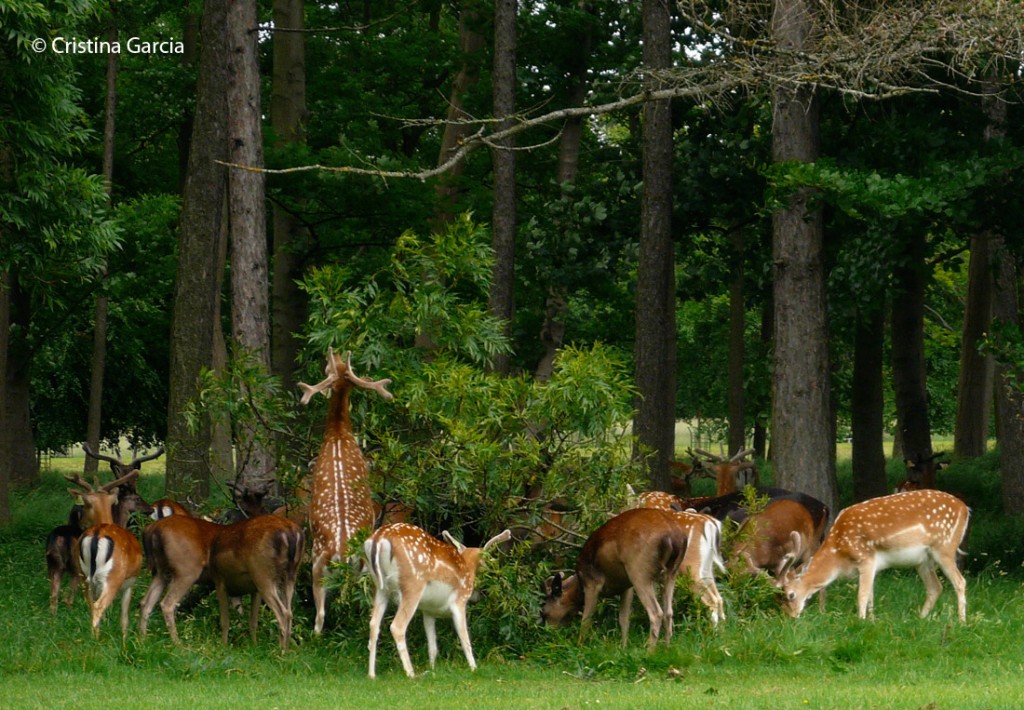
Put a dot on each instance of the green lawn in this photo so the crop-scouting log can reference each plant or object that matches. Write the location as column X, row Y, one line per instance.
column 757, row 659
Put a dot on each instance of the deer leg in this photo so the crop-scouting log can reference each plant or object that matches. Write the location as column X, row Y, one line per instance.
column 319, row 593
column 225, row 618
column 56, row 574
column 655, row 614
column 932, row 586
column 149, row 599
column 591, row 593
column 177, row 588
column 126, row 603
column 406, row 609
column 956, row 578
column 625, row 611
column 668, row 594
column 430, row 629
column 380, row 605
column 73, row 583
column 459, row 621
column 866, row 590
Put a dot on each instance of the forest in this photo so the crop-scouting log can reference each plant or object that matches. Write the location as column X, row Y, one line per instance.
column 786, row 224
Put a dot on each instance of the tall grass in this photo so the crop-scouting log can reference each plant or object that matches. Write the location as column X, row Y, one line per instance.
column 755, row 659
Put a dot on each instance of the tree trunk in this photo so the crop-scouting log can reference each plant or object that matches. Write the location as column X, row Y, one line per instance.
column 195, row 296
column 801, row 428
column 288, row 116
column 189, row 55
column 471, row 44
column 762, row 408
column 737, row 341
column 94, row 418
column 5, row 441
column 654, row 423
column 867, row 404
column 503, row 219
column 974, row 388
column 20, row 449
column 250, row 300
column 908, row 368
column 222, row 449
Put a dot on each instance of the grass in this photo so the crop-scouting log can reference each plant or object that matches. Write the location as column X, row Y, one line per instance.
column 757, row 659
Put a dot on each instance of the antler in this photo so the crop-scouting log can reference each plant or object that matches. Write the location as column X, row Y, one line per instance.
column 324, row 386
column 136, row 462
column 741, row 455
column 376, row 385
column 503, row 536
column 79, row 481
column 452, row 541
column 710, row 456
column 102, row 457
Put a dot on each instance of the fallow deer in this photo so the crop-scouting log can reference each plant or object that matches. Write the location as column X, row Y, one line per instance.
column 60, row 558
column 259, row 556
column 108, row 556
column 733, row 474
column 921, row 529
column 340, row 503
column 166, row 507
column 178, row 555
column 421, row 572
column 635, row 550
column 119, row 468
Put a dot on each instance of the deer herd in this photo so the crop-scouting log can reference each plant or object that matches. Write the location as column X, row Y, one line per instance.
column 659, row 537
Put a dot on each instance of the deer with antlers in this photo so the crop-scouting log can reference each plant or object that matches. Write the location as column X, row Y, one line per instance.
column 922, row 529
column 733, row 474
column 421, row 572
column 340, row 501
column 119, row 468
column 108, row 556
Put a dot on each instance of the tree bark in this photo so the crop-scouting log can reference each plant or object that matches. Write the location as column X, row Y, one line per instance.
column 5, row 442
column 974, row 388
column 94, row 418
column 801, row 428
column 654, row 423
column 908, row 367
column 867, row 405
column 503, row 216
column 288, row 116
column 20, row 449
column 737, row 343
column 250, row 300
column 195, row 296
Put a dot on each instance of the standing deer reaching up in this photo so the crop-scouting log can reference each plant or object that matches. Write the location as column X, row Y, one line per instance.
column 340, row 501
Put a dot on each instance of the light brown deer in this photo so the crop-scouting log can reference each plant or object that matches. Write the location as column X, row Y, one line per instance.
column 733, row 474
column 178, row 555
column 421, row 572
column 635, row 550
column 258, row 556
column 108, row 556
column 340, row 502
column 921, row 529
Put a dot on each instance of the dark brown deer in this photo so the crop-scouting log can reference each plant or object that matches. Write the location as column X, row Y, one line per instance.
column 259, row 556
column 340, row 502
column 108, row 555
column 119, row 468
column 635, row 550
column 421, row 572
column 921, row 529
column 60, row 558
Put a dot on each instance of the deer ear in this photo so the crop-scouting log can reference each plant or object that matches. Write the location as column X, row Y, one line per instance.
column 75, row 493
column 556, row 585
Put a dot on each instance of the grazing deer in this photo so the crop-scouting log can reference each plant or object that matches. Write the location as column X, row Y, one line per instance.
column 178, row 555
column 340, row 498
column 703, row 555
column 734, row 474
column 780, row 540
column 421, row 572
column 259, row 556
column 921, row 529
column 108, row 556
column 633, row 551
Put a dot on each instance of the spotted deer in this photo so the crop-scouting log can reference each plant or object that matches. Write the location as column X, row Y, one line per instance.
column 421, row 572
column 921, row 529
column 108, row 555
column 340, row 501
column 634, row 551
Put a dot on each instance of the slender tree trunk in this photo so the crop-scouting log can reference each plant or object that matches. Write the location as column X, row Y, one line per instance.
column 189, row 56
column 552, row 331
column 654, row 423
column 195, row 296
column 908, row 367
column 222, row 448
column 94, row 418
column 868, row 406
column 288, row 116
column 801, row 429
column 762, row 408
column 5, row 442
column 250, row 300
column 737, row 342
column 503, row 219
